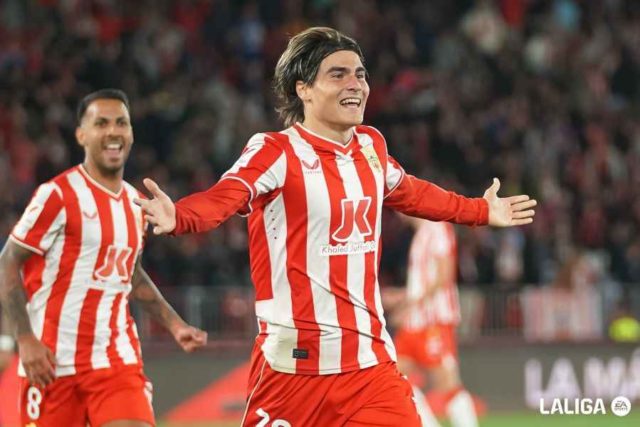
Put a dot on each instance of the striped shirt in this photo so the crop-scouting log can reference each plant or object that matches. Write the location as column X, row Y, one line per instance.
column 314, row 208
column 85, row 241
column 432, row 243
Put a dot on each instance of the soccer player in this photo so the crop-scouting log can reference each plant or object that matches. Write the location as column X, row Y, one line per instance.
column 314, row 194
column 426, row 336
column 67, row 272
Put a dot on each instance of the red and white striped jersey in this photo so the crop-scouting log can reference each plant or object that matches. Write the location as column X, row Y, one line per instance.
column 85, row 240
column 433, row 243
column 314, row 210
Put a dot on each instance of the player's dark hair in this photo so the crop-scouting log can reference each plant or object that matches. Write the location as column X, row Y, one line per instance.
column 100, row 94
column 300, row 62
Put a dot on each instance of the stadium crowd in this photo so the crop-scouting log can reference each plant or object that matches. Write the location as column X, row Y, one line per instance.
column 543, row 94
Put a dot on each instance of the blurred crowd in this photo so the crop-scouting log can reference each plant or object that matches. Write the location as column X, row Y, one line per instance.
column 543, row 94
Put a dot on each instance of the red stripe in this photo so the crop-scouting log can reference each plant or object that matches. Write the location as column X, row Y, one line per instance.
column 262, row 333
column 295, row 205
column 86, row 330
column 112, row 352
column 338, row 270
column 50, row 210
column 32, row 273
column 259, row 256
column 132, row 234
column 68, row 258
column 370, row 188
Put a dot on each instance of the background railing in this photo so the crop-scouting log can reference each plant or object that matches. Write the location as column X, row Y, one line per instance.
column 531, row 313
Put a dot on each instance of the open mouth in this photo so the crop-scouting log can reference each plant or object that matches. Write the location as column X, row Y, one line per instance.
column 351, row 102
column 114, row 148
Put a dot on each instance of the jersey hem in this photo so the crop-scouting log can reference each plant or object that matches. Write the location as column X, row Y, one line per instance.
column 25, row 245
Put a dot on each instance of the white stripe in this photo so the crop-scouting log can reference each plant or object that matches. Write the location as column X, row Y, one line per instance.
column 279, row 345
column 99, row 358
column 272, row 178
column 364, row 140
column 132, row 193
column 123, row 343
column 324, row 301
column 120, row 229
column 356, row 266
column 81, row 276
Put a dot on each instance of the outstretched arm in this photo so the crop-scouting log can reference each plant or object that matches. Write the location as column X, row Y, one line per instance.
column 195, row 213
column 419, row 198
column 147, row 294
column 37, row 359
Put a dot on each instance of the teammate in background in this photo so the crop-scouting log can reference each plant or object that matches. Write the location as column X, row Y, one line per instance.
column 67, row 272
column 314, row 194
column 428, row 317
column 8, row 372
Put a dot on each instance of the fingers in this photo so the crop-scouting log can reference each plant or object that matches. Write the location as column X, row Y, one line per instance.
column 193, row 340
column 517, row 199
column 492, row 191
column 495, row 186
column 524, row 221
column 41, row 372
column 153, row 188
column 527, row 204
column 523, row 214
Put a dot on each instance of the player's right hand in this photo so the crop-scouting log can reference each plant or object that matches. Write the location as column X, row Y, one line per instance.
column 38, row 361
column 159, row 210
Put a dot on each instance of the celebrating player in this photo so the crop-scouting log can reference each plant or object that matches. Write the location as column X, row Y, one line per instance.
column 67, row 272
column 314, row 194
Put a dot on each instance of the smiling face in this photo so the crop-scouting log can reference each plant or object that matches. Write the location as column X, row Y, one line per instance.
column 337, row 97
column 105, row 133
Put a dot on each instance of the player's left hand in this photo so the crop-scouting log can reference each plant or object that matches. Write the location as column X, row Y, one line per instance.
column 189, row 337
column 508, row 211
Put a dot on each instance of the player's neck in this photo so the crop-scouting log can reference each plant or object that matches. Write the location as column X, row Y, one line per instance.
column 110, row 181
column 337, row 134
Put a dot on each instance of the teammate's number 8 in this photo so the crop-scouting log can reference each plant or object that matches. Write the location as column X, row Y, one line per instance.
column 265, row 420
column 34, row 398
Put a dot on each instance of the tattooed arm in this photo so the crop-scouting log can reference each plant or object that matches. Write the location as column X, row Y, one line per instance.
column 147, row 294
column 37, row 359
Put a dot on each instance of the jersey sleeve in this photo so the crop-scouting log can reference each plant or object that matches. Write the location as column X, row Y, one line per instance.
column 420, row 198
column 260, row 170
column 261, row 166
column 42, row 220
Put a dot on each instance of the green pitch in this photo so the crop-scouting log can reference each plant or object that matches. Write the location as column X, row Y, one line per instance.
column 513, row 420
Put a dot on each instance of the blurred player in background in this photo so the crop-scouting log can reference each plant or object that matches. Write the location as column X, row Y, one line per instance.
column 314, row 194
column 427, row 318
column 8, row 375
column 67, row 272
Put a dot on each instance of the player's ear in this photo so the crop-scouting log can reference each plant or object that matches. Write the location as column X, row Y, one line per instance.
column 80, row 136
column 302, row 89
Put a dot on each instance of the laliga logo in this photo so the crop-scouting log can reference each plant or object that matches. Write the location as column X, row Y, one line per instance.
column 583, row 388
column 620, row 406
